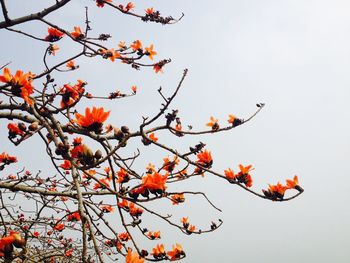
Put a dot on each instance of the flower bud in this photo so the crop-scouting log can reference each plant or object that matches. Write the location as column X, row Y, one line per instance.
column 33, row 126
column 98, row 155
column 22, row 126
column 125, row 129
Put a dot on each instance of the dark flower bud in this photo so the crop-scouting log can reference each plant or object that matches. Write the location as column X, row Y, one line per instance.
column 98, row 155
column 118, row 134
column 22, row 126
column 33, row 126
column 125, row 129
column 144, row 253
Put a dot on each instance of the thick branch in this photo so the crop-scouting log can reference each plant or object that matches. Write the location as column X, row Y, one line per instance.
column 41, row 14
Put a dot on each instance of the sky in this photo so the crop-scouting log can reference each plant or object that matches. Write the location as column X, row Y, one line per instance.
column 292, row 55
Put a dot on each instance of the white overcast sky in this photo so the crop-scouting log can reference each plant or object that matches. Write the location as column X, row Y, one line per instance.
column 294, row 55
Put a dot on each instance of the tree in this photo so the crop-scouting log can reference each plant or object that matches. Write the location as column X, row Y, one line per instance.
column 70, row 216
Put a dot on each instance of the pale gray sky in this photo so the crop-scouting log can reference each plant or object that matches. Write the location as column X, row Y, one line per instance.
column 293, row 55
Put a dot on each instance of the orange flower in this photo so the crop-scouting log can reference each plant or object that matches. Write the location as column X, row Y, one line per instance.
column 134, row 89
column 134, row 210
column 77, row 34
column 158, row 252
column 129, row 6
column 102, row 183
column 69, row 253
column 14, row 130
column 83, row 153
column 213, row 124
column 107, row 170
column 185, row 222
column 191, row 229
column 150, row 168
column 178, row 127
column 122, row 45
column 155, row 182
column 6, row 247
column 204, row 159
column 153, row 235
column 21, row 84
column 177, row 198
column 152, row 137
column 6, row 77
column 137, row 45
column 93, row 120
column 133, row 257
column 229, row 174
column 70, row 64
column 124, row 236
column 112, row 54
column 7, row 159
column 66, row 165
column 54, row 34
column 52, row 49
column 176, row 253
column 77, row 141
column 73, row 217
column 293, row 183
column 278, row 188
column 275, row 191
column 71, row 94
column 245, row 169
column 232, row 119
column 170, row 165
column 106, row 208
column 150, row 52
column 78, row 150
column 123, row 176
column 59, row 227
column 123, row 204
column 149, row 11
column 243, row 176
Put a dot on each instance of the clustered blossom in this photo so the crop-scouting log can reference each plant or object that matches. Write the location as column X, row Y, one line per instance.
column 71, row 94
column 242, row 177
column 234, row 121
column 77, row 34
column 276, row 192
column 21, row 84
column 93, row 119
column 214, row 124
column 131, row 208
column 53, row 34
column 205, row 159
column 176, row 253
column 177, row 198
column 158, row 252
column 7, row 243
column 7, row 159
column 123, row 176
column 169, row 165
column 73, row 217
column 52, row 49
column 153, row 235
